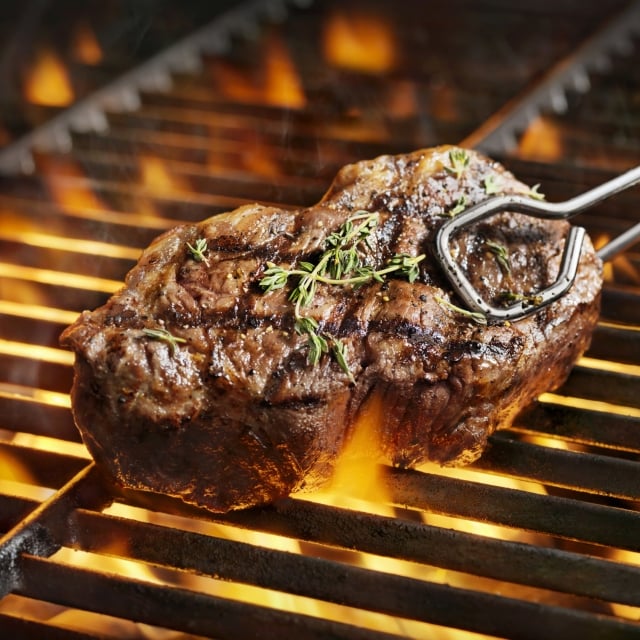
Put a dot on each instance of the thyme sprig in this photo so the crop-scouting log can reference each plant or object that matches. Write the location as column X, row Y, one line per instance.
column 526, row 299
column 534, row 193
column 198, row 251
column 476, row 316
column 340, row 264
column 492, row 185
column 459, row 206
column 459, row 159
column 165, row 336
column 502, row 255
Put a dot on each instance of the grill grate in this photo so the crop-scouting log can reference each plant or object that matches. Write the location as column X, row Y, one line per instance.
column 538, row 539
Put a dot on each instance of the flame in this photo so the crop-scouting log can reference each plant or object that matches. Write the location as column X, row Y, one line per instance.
column 542, row 140
column 71, row 189
column 155, row 176
column 359, row 42
column 157, row 181
column 68, row 184
column 48, row 82
column 282, row 83
column 85, row 46
column 260, row 161
column 357, row 477
column 620, row 268
column 278, row 83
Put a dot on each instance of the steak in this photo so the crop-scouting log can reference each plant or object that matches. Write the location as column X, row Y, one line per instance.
column 196, row 379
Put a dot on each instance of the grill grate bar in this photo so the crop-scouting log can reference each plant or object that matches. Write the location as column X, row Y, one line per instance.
column 13, row 509
column 321, row 579
column 16, row 628
column 611, row 342
column 49, row 469
column 620, row 304
column 598, row 384
column 582, row 471
column 586, row 426
column 557, row 516
column 514, row 562
column 209, row 615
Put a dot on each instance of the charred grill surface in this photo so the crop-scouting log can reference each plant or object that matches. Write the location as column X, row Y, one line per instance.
column 234, row 414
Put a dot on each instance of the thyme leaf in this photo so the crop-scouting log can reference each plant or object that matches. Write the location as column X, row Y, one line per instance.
column 339, row 351
column 535, row 193
column 459, row 159
column 165, row 336
column 492, row 185
column 502, row 255
column 198, row 251
column 526, row 299
column 476, row 316
column 275, row 277
column 458, row 207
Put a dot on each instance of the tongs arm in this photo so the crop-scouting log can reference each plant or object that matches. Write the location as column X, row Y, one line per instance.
column 539, row 209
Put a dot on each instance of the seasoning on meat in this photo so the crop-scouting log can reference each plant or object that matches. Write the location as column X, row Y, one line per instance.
column 199, row 380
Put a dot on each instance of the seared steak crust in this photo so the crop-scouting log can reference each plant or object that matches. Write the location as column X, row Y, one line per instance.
column 236, row 416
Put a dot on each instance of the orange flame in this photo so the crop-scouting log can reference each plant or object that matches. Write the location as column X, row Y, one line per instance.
column 542, row 140
column 620, row 268
column 85, row 46
column 48, row 82
column 69, row 188
column 157, row 181
column 357, row 476
column 282, row 86
column 156, row 177
column 359, row 42
column 278, row 84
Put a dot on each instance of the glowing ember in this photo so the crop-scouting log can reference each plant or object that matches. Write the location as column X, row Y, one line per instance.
column 359, row 42
column 48, row 82
column 86, row 48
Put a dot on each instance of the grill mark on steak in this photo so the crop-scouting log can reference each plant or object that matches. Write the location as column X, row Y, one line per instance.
column 236, row 416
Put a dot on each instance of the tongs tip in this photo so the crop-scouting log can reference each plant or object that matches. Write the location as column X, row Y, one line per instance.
column 570, row 261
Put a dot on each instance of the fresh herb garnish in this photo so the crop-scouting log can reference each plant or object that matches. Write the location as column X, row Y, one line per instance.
column 340, row 265
column 476, row 316
column 502, row 255
column 534, row 193
column 492, row 185
column 339, row 351
column 459, row 159
column 458, row 207
column 197, row 251
column 165, row 336
column 511, row 296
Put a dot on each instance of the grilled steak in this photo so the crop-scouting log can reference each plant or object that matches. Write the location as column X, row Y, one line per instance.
column 193, row 380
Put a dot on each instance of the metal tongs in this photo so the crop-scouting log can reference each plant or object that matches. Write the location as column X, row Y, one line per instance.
column 540, row 209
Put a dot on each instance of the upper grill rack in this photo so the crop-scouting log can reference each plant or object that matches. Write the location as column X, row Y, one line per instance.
column 567, row 561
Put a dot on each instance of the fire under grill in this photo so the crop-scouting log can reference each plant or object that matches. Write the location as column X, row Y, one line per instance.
column 538, row 539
